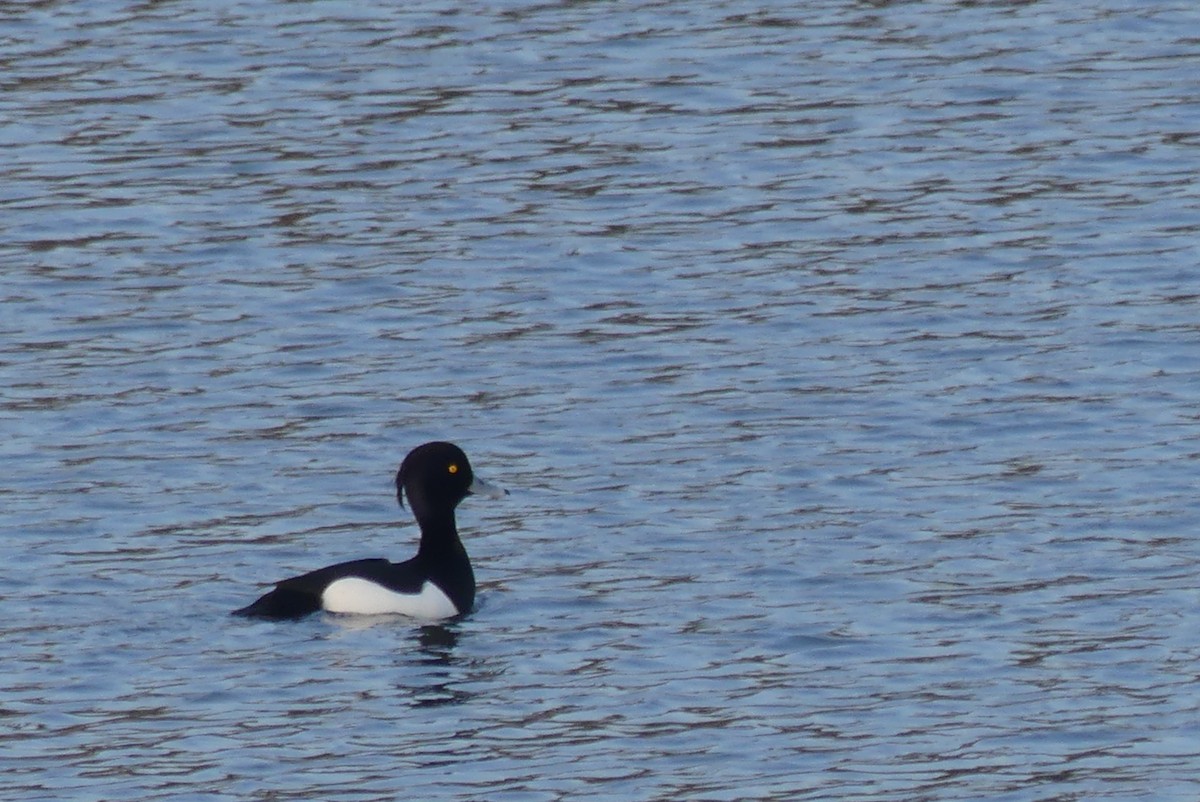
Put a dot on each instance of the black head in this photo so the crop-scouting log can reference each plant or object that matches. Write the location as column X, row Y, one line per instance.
column 435, row 476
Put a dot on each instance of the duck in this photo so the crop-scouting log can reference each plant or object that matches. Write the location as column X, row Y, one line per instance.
column 436, row 584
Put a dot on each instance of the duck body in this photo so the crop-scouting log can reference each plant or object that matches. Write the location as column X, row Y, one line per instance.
column 438, row 583
column 371, row 587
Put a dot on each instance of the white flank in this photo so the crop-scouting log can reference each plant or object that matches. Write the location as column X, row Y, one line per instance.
column 353, row 594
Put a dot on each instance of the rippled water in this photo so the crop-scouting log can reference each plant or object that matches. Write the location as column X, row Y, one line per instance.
column 842, row 361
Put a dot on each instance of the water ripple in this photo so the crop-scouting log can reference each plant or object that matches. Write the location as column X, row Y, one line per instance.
column 841, row 364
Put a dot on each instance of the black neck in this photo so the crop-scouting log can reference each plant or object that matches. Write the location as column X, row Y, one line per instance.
column 442, row 551
column 446, row 560
column 439, row 536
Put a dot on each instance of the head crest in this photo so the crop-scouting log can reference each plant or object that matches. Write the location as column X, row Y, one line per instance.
column 400, row 485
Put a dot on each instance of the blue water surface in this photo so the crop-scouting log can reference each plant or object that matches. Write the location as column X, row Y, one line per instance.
column 842, row 362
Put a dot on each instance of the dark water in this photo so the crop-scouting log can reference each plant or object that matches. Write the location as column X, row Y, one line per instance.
column 842, row 361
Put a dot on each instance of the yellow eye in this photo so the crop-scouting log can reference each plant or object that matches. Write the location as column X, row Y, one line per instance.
column 453, row 468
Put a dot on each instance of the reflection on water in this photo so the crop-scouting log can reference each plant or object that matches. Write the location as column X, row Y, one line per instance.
column 437, row 647
column 842, row 364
